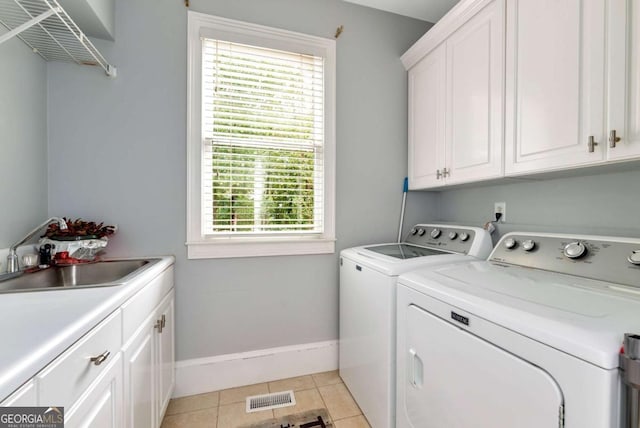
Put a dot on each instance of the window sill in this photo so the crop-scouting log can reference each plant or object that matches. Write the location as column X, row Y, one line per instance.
column 230, row 248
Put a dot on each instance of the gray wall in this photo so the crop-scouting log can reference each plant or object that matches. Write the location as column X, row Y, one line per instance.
column 117, row 153
column 607, row 203
column 23, row 141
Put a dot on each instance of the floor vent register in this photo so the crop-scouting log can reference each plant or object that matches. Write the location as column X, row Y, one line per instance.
column 274, row 400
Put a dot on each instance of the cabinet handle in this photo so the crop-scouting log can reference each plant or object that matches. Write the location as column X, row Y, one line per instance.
column 445, row 172
column 613, row 138
column 592, row 144
column 100, row 358
column 438, row 174
column 159, row 325
column 164, row 320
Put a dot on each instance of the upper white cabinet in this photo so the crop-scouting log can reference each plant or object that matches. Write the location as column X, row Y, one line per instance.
column 475, row 94
column 427, row 92
column 624, row 80
column 555, row 84
column 456, row 98
column 524, row 87
column 573, row 84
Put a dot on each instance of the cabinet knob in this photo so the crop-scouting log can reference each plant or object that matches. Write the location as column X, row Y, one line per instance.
column 592, row 144
column 100, row 358
column 613, row 138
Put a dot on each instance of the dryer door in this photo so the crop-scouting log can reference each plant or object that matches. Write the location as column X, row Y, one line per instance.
column 455, row 379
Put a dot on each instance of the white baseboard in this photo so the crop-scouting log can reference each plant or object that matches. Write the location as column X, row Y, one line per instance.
column 246, row 368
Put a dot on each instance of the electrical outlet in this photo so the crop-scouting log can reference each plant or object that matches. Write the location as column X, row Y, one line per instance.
column 500, row 208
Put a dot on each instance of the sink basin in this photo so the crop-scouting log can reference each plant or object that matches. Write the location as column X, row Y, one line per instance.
column 99, row 274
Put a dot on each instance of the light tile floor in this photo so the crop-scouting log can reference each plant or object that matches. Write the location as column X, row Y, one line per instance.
column 226, row 409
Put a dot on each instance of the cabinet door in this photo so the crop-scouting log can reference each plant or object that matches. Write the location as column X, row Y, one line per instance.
column 555, row 84
column 139, row 395
column 427, row 87
column 624, row 78
column 101, row 405
column 166, row 355
column 475, row 94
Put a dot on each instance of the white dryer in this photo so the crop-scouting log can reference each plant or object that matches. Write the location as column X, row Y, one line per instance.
column 368, row 307
column 529, row 339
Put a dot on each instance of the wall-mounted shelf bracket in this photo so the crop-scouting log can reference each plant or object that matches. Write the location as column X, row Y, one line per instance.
column 49, row 31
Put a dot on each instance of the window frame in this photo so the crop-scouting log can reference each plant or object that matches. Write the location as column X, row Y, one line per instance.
column 199, row 245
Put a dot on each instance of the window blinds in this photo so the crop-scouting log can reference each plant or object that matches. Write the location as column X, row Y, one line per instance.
column 263, row 140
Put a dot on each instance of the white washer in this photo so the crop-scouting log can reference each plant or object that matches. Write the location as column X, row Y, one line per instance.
column 368, row 307
column 529, row 339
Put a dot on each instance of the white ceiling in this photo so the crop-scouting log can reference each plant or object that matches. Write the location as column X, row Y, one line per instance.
column 427, row 10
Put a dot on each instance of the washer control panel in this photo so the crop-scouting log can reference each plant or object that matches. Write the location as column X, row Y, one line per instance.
column 456, row 239
column 609, row 259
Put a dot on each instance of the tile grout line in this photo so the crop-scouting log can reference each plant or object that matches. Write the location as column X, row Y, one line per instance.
column 323, row 402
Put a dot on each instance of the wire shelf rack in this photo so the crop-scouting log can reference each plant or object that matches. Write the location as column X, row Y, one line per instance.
column 49, row 31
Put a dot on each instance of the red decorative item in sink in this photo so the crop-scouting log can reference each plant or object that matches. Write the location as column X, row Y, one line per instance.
column 79, row 229
column 80, row 242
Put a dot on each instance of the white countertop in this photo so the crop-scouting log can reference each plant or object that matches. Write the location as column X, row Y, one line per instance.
column 38, row 326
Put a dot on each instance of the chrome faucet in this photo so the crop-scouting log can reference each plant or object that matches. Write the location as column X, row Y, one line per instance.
column 12, row 259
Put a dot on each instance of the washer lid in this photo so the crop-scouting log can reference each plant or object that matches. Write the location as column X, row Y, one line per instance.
column 582, row 317
column 393, row 266
column 404, row 251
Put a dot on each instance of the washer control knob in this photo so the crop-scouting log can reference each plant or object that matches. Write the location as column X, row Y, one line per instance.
column 634, row 257
column 510, row 243
column 453, row 235
column 435, row 233
column 575, row 250
column 464, row 236
column 420, row 232
column 414, row 230
column 529, row 245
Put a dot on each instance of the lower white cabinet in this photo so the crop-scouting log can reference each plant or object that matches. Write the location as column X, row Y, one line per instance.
column 121, row 372
column 101, row 404
column 166, row 355
column 149, row 368
column 139, row 372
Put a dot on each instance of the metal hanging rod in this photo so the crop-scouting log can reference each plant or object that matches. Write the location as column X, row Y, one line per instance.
column 47, row 29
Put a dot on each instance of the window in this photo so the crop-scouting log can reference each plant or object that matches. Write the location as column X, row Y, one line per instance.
column 261, row 151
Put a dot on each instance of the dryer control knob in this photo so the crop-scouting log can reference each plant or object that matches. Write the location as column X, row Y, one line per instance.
column 414, row 230
column 420, row 232
column 464, row 236
column 529, row 245
column 575, row 250
column 453, row 235
column 435, row 233
column 510, row 243
column 634, row 257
